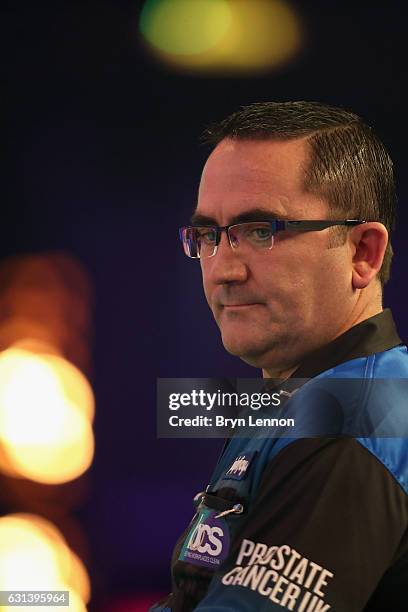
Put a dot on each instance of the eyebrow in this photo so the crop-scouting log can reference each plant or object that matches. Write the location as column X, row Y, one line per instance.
column 252, row 214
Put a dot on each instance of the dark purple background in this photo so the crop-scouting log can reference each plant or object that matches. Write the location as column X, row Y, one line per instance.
column 104, row 162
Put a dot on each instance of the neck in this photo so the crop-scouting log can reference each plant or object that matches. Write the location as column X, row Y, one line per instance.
column 279, row 373
column 360, row 313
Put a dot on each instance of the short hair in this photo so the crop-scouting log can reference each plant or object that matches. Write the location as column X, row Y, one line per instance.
column 349, row 166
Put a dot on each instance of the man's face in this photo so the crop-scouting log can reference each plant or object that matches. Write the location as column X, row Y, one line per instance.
column 272, row 306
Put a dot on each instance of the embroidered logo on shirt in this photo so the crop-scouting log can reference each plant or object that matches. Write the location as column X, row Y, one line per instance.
column 240, row 466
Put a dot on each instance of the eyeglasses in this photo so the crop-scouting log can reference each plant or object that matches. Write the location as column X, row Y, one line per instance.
column 202, row 241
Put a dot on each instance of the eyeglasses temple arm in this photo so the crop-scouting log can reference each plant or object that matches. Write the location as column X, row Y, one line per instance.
column 316, row 225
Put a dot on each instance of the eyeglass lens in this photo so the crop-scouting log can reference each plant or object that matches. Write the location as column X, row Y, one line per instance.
column 202, row 241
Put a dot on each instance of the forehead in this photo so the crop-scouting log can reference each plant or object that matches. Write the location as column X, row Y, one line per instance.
column 244, row 174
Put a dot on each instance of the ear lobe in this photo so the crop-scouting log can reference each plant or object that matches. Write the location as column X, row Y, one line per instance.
column 369, row 241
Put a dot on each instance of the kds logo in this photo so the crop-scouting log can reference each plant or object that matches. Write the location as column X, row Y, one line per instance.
column 208, row 542
column 206, row 539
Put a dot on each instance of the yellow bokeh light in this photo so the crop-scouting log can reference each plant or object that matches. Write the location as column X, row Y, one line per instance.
column 34, row 556
column 78, row 578
column 183, row 26
column 27, row 561
column 70, row 565
column 261, row 34
column 46, row 407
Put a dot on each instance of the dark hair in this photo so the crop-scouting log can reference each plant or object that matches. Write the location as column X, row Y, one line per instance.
column 349, row 166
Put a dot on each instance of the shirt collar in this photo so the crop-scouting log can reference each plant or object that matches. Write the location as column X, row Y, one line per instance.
column 373, row 335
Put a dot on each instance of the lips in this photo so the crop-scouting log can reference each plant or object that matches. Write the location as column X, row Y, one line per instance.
column 241, row 305
column 229, row 299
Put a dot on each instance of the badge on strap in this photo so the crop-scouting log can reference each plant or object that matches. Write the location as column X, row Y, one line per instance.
column 208, row 541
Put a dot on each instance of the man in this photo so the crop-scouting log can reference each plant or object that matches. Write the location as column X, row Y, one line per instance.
column 295, row 207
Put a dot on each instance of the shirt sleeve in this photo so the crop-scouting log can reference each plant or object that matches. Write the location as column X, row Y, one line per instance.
column 323, row 533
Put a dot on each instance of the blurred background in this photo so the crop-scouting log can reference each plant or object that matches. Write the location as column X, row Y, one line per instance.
column 104, row 103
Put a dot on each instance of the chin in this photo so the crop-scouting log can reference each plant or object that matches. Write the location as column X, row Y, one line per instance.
column 246, row 349
column 255, row 349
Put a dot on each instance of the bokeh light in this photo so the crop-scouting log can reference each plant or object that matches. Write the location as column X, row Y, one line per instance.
column 46, row 409
column 221, row 35
column 185, row 27
column 46, row 298
column 35, row 556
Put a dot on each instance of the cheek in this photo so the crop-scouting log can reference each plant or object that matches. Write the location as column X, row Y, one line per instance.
column 332, row 283
column 206, row 282
column 296, row 285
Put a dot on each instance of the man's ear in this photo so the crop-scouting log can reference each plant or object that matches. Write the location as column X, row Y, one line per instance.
column 369, row 241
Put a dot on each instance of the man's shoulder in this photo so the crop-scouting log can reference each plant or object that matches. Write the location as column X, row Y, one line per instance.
column 391, row 363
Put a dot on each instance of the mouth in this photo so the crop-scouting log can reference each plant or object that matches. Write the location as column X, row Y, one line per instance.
column 240, row 306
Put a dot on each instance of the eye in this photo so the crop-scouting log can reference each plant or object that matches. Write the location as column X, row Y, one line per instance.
column 260, row 234
column 206, row 235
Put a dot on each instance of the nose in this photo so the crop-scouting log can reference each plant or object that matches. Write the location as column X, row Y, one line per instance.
column 226, row 266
